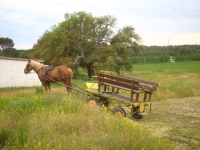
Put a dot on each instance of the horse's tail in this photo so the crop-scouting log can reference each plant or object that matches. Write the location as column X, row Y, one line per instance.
column 70, row 76
column 70, row 73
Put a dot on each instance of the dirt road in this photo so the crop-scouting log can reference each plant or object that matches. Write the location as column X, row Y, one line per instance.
column 177, row 120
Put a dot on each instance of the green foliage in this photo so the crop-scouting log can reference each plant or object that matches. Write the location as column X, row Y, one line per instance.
column 187, row 57
column 150, row 59
column 10, row 52
column 6, row 43
column 159, row 54
column 24, row 53
column 110, row 63
column 82, row 40
column 171, row 50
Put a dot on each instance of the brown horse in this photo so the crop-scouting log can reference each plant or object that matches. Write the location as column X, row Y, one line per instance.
column 48, row 74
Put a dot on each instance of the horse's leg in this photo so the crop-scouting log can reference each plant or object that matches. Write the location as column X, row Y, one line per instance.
column 68, row 84
column 49, row 87
column 45, row 85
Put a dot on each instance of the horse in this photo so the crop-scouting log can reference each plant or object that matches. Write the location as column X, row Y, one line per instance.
column 48, row 74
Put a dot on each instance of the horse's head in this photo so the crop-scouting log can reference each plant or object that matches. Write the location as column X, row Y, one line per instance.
column 28, row 67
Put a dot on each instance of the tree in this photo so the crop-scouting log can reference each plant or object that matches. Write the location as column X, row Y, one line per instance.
column 124, row 41
column 83, row 40
column 6, row 43
column 10, row 52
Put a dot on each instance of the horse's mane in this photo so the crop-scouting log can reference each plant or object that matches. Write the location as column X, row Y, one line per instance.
column 36, row 65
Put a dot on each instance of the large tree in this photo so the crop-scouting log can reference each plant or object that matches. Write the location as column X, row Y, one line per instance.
column 87, row 41
column 6, row 43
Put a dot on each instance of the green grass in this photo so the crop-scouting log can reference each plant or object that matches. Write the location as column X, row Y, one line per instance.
column 32, row 119
column 177, row 119
column 59, row 122
column 172, row 68
column 175, row 80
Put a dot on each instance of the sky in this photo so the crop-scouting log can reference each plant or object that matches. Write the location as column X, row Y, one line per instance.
column 158, row 22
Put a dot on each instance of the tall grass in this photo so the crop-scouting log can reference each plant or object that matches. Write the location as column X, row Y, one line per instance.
column 60, row 122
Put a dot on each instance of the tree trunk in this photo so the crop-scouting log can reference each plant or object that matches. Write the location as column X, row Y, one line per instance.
column 90, row 71
column 76, row 67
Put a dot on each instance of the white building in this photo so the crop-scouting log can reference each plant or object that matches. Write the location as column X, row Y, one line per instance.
column 12, row 73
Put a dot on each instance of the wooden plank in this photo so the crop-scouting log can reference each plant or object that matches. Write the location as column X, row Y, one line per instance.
column 135, row 86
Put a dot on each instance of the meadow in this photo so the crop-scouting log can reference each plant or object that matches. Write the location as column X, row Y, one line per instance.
column 176, row 80
column 32, row 119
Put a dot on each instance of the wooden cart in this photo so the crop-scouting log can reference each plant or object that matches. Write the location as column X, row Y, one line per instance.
column 111, row 91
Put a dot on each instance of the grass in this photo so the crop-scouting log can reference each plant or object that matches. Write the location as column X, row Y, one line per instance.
column 32, row 119
column 58, row 122
column 175, row 80
column 177, row 119
column 172, row 68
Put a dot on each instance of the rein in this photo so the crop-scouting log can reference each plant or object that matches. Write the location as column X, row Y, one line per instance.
column 39, row 70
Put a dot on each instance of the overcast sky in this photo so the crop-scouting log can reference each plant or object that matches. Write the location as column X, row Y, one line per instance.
column 158, row 22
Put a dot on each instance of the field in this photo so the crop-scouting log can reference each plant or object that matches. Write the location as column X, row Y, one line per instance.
column 176, row 119
column 176, row 105
column 31, row 119
column 176, row 80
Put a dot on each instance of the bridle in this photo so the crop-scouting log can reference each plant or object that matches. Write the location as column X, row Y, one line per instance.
column 28, row 65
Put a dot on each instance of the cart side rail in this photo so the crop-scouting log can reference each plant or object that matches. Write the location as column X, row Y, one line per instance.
column 147, row 85
column 116, row 82
column 135, row 86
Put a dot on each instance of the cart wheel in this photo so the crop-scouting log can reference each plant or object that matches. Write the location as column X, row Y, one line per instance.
column 137, row 116
column 119, row 112
column 93, row 102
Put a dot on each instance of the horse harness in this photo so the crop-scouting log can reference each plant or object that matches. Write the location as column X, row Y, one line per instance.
column 50, row 68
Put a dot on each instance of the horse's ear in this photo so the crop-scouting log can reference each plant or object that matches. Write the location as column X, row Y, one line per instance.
column 29, row 60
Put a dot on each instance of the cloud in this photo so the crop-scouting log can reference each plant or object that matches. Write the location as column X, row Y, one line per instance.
column 26, row 20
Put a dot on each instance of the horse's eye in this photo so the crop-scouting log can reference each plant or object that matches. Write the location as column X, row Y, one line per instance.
column 27, row 65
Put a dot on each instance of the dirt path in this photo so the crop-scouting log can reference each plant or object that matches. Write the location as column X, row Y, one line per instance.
column 177, row 120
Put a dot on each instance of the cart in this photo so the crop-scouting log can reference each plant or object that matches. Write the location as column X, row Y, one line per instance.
column 120, row 94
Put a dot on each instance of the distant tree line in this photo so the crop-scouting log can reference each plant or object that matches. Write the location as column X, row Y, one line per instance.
column 143, row 55
column 187, row 57
column 172, row 50
column 12, row 52
column 7, row 50
column 150, row 59
column 160, row 54
column 146, row 54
